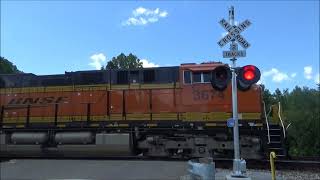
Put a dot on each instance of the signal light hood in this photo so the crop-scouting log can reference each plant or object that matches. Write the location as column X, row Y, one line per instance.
column 221, row 77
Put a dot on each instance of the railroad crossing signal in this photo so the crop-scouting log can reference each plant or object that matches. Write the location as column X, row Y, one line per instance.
column 234, row 33
column 249, row 75
column 232, row 36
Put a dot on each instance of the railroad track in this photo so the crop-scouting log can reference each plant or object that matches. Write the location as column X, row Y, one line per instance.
column 309, row 164
column 285, row 164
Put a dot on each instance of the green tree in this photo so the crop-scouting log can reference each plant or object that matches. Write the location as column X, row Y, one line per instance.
column 6, row 67
column 302, row 111
column 268, row 98
column 124, row 62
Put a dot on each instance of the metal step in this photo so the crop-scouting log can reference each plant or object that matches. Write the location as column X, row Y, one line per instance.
column 278, row 133
column 277, row 150
column 281, row 155
column 275, row 138
column 274, row 145
column 278, row 156
column 274, row 125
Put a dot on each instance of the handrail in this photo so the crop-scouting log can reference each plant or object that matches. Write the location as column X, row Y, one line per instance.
column 288, row 126
column 283, row 128
column 273, row 170
column 266, row 116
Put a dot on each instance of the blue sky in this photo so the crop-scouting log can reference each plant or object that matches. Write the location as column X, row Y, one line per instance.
column 56, row 36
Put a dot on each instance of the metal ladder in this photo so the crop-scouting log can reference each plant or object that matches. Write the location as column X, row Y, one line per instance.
column 276, row 135
column 276, row 143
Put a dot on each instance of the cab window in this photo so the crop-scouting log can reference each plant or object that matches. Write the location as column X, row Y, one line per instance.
column 206, row 77
column 187, row 77
column 196, row 77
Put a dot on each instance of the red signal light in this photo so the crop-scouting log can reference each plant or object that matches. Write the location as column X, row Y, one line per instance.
column 249, row 72
column 249, row 75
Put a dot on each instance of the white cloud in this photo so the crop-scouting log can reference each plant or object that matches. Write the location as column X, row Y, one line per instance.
column 97, row 60
column 163, row 14
column 279, row 77
column 308, row 72
column 293, row 75
column 317, row 78
column 139, row 11
column 152, row 20
column 146, row 63
column 276, row 75
column 142, row 16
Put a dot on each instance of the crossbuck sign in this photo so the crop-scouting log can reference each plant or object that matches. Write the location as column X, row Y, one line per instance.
column 234, row 33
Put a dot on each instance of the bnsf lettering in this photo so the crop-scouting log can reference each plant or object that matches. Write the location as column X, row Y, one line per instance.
column 47, row 100
column 62, row 100
column 15, row 101
column 30, row 101
column 44, row 100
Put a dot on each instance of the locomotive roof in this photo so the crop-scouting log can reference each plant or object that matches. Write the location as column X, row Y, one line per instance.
column 113, row 76
column 209, row 66
column 168, row 74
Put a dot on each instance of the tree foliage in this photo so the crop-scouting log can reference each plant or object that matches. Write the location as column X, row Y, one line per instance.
column 124, row 62
column 6, row 67
column 301, row 109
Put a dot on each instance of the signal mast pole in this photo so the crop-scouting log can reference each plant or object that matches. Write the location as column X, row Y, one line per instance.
column 233, row 35
column 236, row 160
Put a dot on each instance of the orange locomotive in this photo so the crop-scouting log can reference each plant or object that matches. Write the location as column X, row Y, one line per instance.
column 164, row 111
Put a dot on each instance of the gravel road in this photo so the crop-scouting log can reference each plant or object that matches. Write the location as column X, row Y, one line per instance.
column 27, row 169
